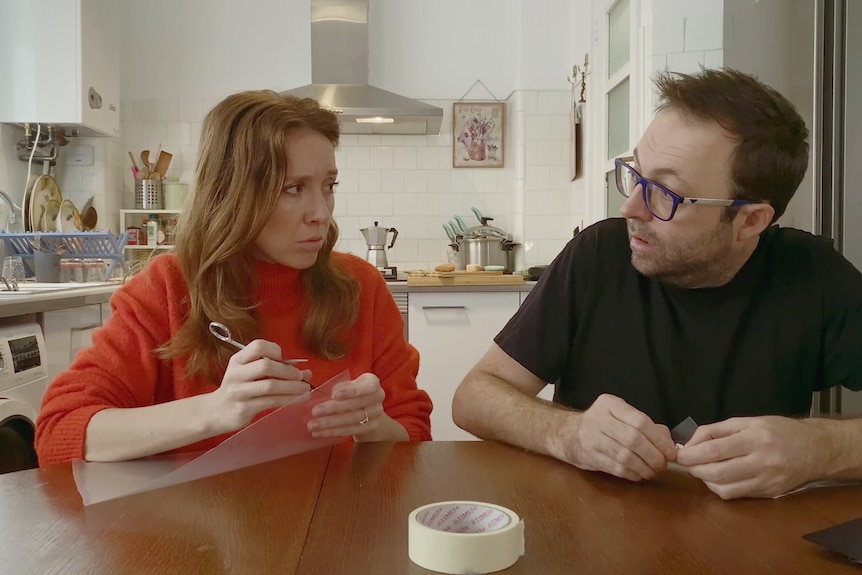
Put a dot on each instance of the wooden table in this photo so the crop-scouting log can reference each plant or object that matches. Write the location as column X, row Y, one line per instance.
column 344, row 511
column 253, row 520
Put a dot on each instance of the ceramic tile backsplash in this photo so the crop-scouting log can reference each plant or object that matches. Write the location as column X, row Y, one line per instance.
column 408, row 182
column 11, row 173
column 683, row 37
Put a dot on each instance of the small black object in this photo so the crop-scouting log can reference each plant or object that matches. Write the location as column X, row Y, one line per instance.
column 845, row 538
column 683, row 432
column 534, row 272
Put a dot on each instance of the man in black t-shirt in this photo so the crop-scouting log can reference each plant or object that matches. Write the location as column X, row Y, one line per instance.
column 693, row 305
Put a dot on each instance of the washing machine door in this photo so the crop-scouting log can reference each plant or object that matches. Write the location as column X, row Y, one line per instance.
column 17, row 430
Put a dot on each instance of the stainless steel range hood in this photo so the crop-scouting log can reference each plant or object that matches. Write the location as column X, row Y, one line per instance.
column 339, row 76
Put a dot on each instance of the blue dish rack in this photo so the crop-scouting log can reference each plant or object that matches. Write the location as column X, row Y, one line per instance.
column 97, row 245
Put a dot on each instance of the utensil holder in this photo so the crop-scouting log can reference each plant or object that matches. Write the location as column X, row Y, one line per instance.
column 47, row 266
column 149, row 195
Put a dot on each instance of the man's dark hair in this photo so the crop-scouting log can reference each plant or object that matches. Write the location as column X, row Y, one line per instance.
column 772, row 140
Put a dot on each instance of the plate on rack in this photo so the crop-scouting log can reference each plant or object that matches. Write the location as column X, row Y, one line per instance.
column 45, row 190
column 25, row 205
column 48, row 223
column 69, row 219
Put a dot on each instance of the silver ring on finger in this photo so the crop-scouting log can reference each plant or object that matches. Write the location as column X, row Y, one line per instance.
column 365, row 419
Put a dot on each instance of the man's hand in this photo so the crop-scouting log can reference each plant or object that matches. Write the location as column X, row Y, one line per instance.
column 614, row 437
column 754, row 456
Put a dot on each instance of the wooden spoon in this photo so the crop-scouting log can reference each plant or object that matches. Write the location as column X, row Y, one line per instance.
column 163, row 162
column 145, row 161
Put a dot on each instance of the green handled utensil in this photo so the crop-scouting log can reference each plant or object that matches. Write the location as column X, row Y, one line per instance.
column 449, row 232
column 460, row 223
column 483, row 221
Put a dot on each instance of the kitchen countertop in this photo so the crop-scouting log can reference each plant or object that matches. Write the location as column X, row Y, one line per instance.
column 15, row 305
column 402, row 287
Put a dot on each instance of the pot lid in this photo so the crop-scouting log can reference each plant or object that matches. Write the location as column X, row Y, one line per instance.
column 478, row 232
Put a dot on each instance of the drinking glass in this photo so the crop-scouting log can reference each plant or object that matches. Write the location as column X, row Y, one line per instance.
column 13, row 268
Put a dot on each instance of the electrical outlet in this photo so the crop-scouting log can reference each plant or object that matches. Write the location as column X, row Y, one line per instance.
column 79, row 155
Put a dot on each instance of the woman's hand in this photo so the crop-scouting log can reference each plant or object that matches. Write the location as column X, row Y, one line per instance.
column 255, row 380
column 356, row 409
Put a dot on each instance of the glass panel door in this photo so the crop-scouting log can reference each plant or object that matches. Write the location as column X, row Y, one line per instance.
column 619, row 111
column 614, row 199
column 618, row 37
column 618, row 50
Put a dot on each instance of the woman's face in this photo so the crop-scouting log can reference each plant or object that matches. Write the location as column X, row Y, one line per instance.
column 297, row 227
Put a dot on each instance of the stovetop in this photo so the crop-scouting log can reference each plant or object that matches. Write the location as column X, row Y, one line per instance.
column 391, row 274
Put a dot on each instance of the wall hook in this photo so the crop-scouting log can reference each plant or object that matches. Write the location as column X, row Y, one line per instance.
column 582, row 71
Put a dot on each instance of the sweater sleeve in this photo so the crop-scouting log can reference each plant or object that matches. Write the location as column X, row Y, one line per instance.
column 119, row 370
column 396, row 363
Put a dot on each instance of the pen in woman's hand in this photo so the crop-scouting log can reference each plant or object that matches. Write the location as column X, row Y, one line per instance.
column 222, row 332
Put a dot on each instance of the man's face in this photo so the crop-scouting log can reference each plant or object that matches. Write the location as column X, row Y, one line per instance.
column 694, row 159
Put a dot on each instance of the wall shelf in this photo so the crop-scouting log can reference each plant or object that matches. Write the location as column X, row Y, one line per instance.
column 134, row 217
column 145, row 212
column 158, row 247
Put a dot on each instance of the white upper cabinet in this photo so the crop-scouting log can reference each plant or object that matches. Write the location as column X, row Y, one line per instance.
column 60, row 61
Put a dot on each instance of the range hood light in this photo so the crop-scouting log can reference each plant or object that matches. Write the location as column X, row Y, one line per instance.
column 376, row 120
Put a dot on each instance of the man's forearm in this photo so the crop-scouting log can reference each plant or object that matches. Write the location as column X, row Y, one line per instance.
column 840, row 453
column 492, row 409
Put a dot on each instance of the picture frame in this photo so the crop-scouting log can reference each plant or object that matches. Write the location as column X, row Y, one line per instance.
column 478, row 134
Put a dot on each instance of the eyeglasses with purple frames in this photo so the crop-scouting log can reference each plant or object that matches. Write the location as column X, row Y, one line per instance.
column 659, row 200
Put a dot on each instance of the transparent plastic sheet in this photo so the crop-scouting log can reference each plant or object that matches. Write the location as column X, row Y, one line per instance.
column 280, row 434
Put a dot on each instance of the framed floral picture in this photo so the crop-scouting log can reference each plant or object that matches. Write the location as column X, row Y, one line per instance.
column 478, row 134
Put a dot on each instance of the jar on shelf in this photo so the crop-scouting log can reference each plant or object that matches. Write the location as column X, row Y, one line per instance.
column 134, row 236
column 170, row 227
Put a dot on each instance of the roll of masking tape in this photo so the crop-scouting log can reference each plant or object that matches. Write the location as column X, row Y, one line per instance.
column 464, row 536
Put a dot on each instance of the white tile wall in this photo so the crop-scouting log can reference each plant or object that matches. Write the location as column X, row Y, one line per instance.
column 686, row 35
column 11, row 175
column 408, row 182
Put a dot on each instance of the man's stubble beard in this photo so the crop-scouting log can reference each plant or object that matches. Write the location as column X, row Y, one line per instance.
column 700, row 261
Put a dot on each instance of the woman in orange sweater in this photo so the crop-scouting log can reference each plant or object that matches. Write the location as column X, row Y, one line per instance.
column 254, row 251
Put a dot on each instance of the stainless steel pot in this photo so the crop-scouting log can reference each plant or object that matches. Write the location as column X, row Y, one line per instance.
column 487, row 246
column 488, row 252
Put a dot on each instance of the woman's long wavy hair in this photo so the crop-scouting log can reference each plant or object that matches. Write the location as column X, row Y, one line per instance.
column 241, row 170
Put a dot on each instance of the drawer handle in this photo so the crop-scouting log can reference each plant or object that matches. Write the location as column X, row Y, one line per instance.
column 86, row 327
column 444, row 307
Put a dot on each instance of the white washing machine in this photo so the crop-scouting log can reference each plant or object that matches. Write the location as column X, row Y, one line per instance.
column 23, row 379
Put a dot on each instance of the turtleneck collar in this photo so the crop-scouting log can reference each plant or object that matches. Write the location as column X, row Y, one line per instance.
column 276, row 279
